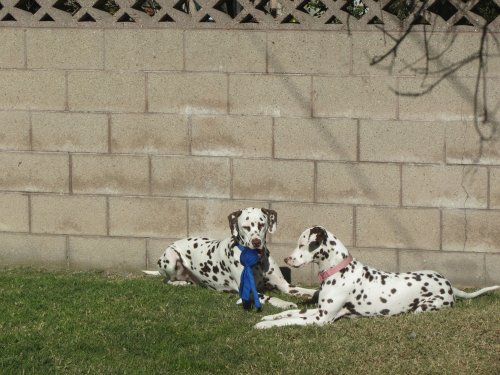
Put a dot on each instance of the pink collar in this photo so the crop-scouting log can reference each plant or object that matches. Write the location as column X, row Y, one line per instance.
column 323, row 275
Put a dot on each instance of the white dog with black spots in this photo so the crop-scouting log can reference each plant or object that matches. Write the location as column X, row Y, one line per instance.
column 216, row 263
column 351, row 289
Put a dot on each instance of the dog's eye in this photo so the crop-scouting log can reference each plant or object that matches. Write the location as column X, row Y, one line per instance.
column 313, row 245
column 260, row 226
column 247, row 228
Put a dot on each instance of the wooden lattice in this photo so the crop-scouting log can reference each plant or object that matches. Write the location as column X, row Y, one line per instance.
column 253, row 14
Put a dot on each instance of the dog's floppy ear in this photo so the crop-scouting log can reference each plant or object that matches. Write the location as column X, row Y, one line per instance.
column 320, row 233
column 272, row 219
column 233, row 222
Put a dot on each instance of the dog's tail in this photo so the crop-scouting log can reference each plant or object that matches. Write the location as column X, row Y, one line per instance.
column 461, row 294
column 151, row 273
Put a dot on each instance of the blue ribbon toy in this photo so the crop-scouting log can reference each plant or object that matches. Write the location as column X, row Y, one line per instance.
column 248, row 258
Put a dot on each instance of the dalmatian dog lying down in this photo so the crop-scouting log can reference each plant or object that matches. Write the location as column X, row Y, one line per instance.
column 216, row 264
column 351, row 289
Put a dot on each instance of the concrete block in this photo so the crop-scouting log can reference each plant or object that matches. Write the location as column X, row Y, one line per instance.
column 466, row 144
column 147, row 217
column 455, row 231
column 354, row 97
column 273, row 180
column 492, row 262
column 107, row 253
column 495, row 188
column 294, row 218
column 12, row 48
column 270, row 95
column 209, row 217
column 239, row 136
column 492, row 53
column 440, row 52
column 367, row 46
column 136, row 49
column 318, row 139
column 69, row 132
column 361, row 183
column 445, row 186
column 14, row 131
column 309, row 52
column 32, row 250
column 402, row 141
column 64, row 48
column 191, row 176
column 471, row 230
column 462, row 269
column 397, row 228
column 424, row 53
column 187, row 93
column 25, row 171
column 149, row 133
column 25, row 89
column 224, row 51
column 68, row 214
column 451, row 100
column 110, row 174
column 106, row 91
column 15, row 212
column 382, row 259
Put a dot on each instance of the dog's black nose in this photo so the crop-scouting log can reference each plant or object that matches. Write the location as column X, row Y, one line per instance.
column 256, row 242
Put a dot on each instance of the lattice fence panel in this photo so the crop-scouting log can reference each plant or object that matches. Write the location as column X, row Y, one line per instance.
column 254, row 14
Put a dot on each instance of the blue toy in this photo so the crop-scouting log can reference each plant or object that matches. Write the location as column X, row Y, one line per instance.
column 249, row 258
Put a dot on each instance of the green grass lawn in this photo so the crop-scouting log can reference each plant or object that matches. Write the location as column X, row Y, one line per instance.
column 73, row 323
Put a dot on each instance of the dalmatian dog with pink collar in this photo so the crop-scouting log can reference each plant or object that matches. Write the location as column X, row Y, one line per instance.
column 351, row 289
column 216, row 264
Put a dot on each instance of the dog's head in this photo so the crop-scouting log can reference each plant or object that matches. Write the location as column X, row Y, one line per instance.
column 313, row 246
column 250, row 226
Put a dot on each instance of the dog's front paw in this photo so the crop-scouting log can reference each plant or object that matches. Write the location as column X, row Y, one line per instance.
column 285, row 305
column 264, row 325
column 267, row 318
column 178, row 283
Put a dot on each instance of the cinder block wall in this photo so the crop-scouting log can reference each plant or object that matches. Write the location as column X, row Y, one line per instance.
column 114, row 142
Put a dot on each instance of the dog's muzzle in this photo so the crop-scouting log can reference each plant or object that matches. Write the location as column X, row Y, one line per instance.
column 288, row 261
column 256, row 243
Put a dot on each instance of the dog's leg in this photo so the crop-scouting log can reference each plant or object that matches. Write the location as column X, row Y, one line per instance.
column 151, row 273
column 313, row 318
column 179, row 283
column 318, row 316
column 277, row 280
column 172, row 268
column 301, row 292
column 290, row 314
column 276, row 302
column 433, row 304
